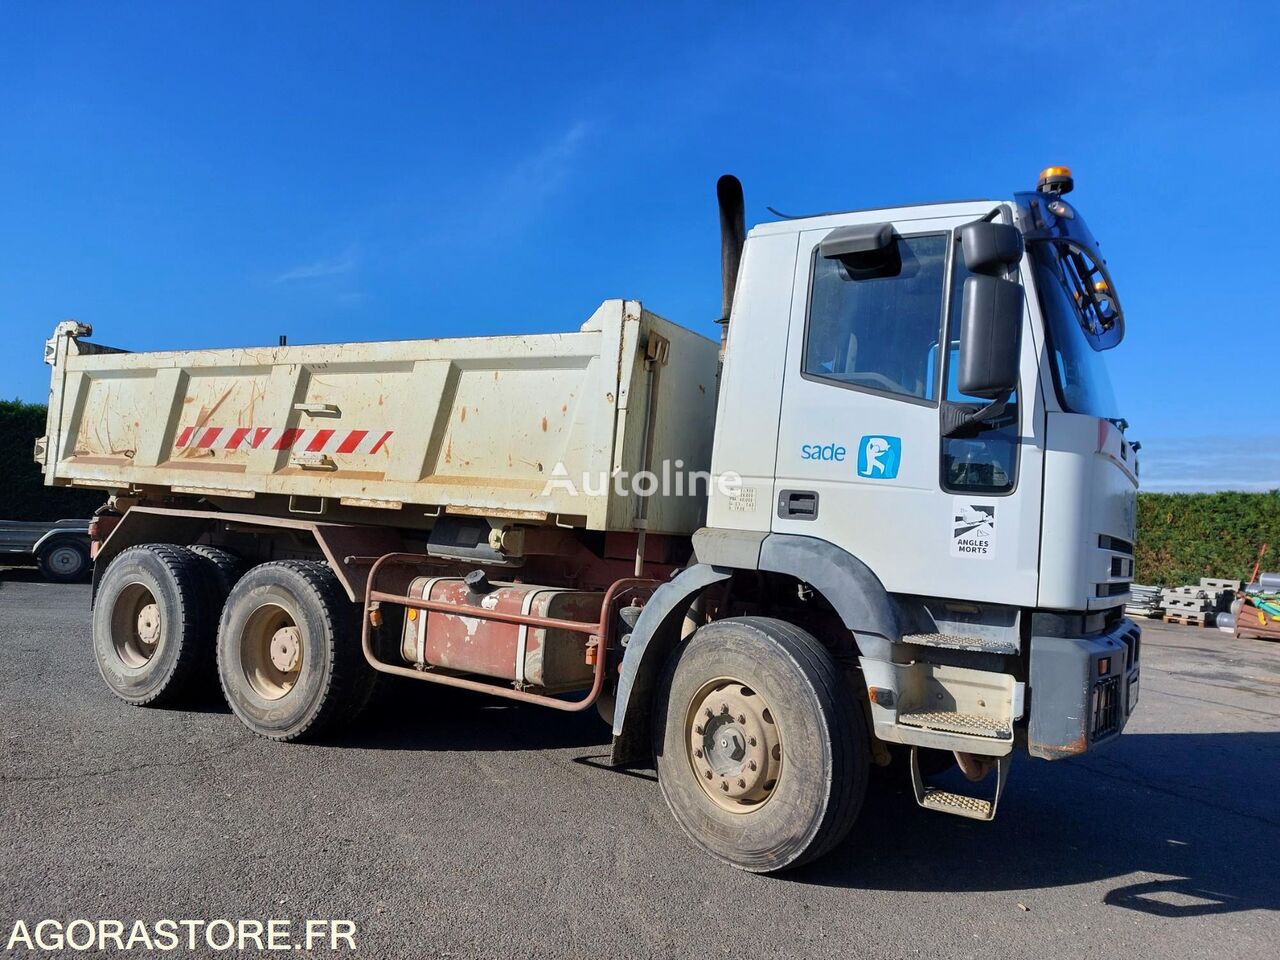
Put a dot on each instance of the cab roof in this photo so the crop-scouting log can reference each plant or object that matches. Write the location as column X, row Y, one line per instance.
column 918, row 211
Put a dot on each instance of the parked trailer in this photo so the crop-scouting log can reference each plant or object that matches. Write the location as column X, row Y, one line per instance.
column 58, row 548
column 874, row 525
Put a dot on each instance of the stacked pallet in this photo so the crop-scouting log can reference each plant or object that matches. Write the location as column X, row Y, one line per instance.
column 1220, row 591
column 1198, row 605
column 1189, row 606
column 1144, row 601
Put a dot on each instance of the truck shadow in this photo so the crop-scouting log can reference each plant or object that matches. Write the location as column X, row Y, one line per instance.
column 20, row 575
column 413, row 715
column 1186, row 824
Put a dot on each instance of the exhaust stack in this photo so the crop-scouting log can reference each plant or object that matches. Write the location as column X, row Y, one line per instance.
column 733, row 234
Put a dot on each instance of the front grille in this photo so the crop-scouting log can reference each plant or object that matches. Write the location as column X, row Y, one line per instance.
column 1106, row 707
column 1118, row 569
column 1115, row 544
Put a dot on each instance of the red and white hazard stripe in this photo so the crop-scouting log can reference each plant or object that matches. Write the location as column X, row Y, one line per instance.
column 310, row 440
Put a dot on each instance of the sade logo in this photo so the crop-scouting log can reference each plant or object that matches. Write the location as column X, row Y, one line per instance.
column 879, row 457
column 831, row 452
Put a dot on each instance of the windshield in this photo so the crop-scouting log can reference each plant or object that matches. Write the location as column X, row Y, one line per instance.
column 1079, row 371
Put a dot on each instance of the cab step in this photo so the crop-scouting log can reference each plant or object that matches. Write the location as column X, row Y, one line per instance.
column 958, row 804
column 944, row 801
column 952, row 641
column 969, row 724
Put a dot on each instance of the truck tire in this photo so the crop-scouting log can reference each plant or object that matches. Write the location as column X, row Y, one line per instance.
column 224, row 568
column 289, row 656
column 64, row 560
column 762, row 755
column 151, row 624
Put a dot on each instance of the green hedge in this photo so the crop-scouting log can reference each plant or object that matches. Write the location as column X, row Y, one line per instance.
column 1185, row 536
column 24, row 495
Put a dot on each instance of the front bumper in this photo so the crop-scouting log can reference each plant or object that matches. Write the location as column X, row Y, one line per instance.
column 1082, row 690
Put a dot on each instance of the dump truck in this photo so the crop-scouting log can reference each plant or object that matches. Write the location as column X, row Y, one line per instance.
column 887, row 520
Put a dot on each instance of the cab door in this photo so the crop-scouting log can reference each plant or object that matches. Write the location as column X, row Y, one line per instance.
column 862, row 462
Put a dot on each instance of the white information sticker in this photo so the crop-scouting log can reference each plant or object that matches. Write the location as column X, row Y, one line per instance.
column 973, row 529
column 743, row 500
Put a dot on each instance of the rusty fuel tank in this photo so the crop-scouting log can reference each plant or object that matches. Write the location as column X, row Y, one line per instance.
column 530, row 656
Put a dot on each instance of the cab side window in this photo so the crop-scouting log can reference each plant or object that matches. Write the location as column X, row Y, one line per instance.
column 881, row 334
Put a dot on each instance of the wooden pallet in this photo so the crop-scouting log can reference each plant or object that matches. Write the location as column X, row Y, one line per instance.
column 1187, row 621
column 1149, row 613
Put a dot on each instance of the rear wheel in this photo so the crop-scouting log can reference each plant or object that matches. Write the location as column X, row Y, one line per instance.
column 64, row 561
column 763, row 755
column 224, row 569
column 289, row 656
column 152, row 626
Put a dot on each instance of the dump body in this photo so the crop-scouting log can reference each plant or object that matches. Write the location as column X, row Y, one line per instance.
column 527, row 427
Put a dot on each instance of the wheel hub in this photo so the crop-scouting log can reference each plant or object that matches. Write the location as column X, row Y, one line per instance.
column 64, row 559
column 137, row 627
column 734, row 746
column 272, row 651
column 286, row 644
column 148, row 624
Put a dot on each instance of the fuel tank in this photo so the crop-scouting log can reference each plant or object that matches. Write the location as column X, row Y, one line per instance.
column 531, row 656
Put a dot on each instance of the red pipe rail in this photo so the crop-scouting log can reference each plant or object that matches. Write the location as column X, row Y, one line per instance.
column 601, row 631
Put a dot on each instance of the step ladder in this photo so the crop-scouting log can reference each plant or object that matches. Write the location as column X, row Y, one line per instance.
column 959, row 804
column 968, row 724
column 952, row 641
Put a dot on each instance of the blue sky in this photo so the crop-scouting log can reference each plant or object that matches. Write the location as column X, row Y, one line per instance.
column 214, row 175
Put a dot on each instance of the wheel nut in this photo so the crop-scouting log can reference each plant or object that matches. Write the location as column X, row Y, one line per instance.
column 698, row 729
column 724, row 708
column 741, row 782
column 751, row 765
column 742, row 718
column 698, row 753
column 751, row 741
column 708, row 774
column 724, row 785
column 709, row 713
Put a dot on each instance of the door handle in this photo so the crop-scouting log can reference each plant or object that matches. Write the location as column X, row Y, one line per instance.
column 798, row 504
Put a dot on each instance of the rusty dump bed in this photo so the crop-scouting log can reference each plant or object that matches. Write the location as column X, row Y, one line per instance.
column 475, row 425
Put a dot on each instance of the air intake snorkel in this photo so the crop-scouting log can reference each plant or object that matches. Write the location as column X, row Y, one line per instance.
column 733, row 234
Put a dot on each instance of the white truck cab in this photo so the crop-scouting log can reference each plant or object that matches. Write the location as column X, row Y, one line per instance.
column 995, row 509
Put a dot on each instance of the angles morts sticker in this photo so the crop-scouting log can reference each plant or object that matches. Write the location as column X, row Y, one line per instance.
column 973, row 529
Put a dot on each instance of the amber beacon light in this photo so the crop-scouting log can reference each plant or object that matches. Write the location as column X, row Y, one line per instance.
column 1056, row 180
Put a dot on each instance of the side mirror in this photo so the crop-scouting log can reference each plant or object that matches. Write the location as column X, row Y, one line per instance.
column 990, row 247
column 990, row 337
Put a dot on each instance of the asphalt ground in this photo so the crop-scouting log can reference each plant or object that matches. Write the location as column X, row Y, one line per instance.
column 446, row 824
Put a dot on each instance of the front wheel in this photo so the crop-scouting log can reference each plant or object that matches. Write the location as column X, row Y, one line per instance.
column 763, row 755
